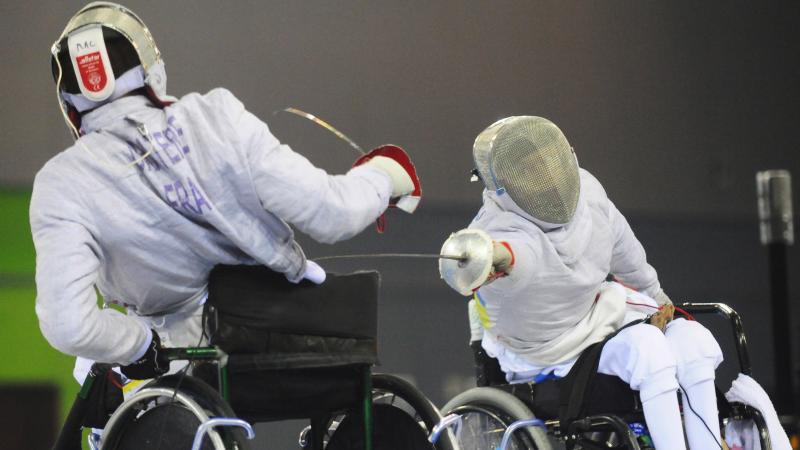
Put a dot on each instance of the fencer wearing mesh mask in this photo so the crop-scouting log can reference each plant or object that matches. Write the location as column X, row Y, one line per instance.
column 156, row 191
column 556, row 237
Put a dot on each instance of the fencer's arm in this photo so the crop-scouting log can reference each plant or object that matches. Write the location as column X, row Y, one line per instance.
column 485, row 260
column 66, row 302
column 329, row 208
column 629, row 260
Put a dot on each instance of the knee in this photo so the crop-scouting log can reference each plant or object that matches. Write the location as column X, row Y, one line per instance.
column 696, row 351
column 646, row 340
column 641, row 356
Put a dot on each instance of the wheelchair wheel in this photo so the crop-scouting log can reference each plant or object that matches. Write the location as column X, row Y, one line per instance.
column 402, row 419
column 486, row 413
column 161, row 417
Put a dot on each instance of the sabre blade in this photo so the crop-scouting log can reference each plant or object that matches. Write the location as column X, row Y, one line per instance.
column 325, row 125
column 393, row 255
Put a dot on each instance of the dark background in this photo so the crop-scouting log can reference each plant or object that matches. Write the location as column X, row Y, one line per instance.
column 673, row 105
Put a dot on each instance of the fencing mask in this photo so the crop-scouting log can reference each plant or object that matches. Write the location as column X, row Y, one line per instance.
column 529, row 159
column 104, row 52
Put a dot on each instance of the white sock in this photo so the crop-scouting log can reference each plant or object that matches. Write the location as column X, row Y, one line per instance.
column 703, row 400
column 663, row 419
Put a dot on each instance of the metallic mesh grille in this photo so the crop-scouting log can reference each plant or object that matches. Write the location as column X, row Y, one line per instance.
column 481, row 150
column 533, row 161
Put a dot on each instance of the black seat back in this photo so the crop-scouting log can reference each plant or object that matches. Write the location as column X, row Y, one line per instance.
column 344, row 305
column 296, row 350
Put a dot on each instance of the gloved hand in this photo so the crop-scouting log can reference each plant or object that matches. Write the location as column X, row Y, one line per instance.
column 664, row 316
column 395, row 162
column 152, row 364
column 502, row 260
column 314, row 273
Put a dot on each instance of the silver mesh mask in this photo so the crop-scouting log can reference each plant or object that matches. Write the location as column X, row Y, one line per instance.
column 529, row 159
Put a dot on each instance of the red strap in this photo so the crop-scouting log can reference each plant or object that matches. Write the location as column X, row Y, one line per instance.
column 508, row 246
column 380, row 223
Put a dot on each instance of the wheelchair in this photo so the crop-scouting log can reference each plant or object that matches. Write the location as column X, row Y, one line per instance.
column 278, row 351
column 601, row 412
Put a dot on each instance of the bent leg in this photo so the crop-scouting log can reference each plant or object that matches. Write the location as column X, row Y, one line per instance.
column 698, row 355
column 641, row 356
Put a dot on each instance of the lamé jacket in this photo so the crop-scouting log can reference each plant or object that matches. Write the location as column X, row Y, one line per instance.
column 549, row 308
column 148, row 200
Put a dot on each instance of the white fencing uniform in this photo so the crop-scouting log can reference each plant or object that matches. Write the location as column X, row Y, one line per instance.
column 218, row 188
column 555, row 303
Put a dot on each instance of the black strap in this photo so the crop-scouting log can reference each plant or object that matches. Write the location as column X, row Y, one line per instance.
column 580, row 380
column 487, row 369
column 99, row 397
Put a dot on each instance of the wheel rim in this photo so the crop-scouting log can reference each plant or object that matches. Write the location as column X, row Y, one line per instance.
column 147, row 398
column 483, row 428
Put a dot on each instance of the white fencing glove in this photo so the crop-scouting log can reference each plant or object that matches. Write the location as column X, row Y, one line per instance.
column 484, row 260
column 395, row 162
column 314, row 273
column 502, row 259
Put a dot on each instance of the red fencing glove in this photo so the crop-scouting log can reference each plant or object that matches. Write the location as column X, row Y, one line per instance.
column 395, row 162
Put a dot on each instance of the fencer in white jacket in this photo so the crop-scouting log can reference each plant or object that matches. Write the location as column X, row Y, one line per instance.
column 155, row 193
column 547, row 298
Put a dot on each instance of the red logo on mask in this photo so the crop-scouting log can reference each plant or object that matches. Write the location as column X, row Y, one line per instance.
column 92, row 70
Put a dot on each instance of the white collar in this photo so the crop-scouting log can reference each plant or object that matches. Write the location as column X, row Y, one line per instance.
column 129, row 81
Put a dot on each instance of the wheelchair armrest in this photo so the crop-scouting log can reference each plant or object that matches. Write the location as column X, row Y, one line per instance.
column 735, row 320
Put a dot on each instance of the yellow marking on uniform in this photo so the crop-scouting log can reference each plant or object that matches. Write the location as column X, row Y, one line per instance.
column 483, row 315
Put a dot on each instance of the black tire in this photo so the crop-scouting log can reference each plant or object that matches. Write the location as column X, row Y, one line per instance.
column 394, row 429
column 403, row 417
column 424, row 409
column 170, row 424
column 486, row 413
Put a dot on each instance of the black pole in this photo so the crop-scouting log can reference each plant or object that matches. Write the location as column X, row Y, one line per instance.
column 776, row 223
column 781, row 335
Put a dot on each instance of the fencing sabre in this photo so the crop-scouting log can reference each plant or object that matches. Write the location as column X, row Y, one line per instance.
column 465, row 259
column 460, row 258
column 325, row 125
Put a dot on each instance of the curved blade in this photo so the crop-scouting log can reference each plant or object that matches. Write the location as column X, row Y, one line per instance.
column 325, row 125
column 467, row 274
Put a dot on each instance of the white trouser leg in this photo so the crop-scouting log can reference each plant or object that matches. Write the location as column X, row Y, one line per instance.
column 665, row 427
column 698, row 355
column 641, row 356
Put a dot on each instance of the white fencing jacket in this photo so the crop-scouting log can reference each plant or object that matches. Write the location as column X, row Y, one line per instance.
column 546, row 311
column 217, row 188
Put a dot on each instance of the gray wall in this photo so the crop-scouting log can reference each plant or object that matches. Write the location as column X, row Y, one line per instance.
column 673, row 105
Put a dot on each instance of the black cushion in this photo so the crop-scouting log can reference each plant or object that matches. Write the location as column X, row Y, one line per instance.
column 344, row 305
column 267, row 323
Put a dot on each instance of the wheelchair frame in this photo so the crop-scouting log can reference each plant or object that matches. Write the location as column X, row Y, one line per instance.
column 311, row 438
column 208, row 424
column 575, row 432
